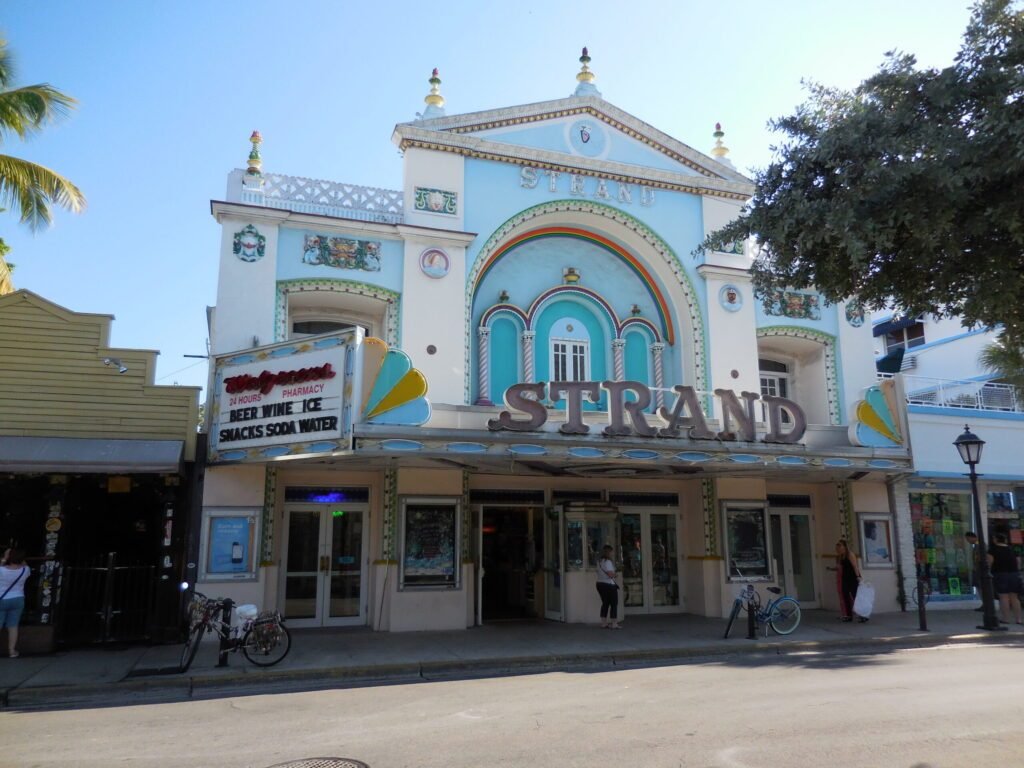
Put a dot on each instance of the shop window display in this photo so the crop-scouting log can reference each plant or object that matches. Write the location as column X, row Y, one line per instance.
column 942, row 554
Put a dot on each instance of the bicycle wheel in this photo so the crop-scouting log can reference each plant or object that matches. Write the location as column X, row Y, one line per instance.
column 266, row 643
column 732, row 617
column 188, row 653
column 785, row 616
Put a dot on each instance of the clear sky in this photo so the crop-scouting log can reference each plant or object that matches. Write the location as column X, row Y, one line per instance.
column 169, row 92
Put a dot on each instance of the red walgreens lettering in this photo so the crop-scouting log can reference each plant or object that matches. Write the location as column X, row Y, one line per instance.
column 266, row 381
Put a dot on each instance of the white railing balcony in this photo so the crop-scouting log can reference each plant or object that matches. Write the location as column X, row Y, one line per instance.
column 323, row 198
column 950, row 393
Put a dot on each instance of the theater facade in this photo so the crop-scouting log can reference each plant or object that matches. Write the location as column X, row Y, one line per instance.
column 430, row 407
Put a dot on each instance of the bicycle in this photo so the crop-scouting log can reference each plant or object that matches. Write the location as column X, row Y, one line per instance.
column 261, row 636
column 782, row 613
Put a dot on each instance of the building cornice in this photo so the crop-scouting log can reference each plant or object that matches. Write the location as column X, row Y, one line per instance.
column 258, row 213
column 448, row 237
column 726, row 273
column 473, row 146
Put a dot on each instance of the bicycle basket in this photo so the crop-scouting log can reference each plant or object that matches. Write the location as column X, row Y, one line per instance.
column 266, row 629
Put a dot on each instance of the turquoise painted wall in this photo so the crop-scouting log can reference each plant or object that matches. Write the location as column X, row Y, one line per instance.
column 291, row 266
column 586, row 325
column 505, row 355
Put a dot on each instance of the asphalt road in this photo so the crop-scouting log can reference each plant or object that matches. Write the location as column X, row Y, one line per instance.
column 940, row 707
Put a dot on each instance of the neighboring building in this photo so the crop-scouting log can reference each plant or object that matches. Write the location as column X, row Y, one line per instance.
column 363, row 469
column 96, row 473
column 946, row 388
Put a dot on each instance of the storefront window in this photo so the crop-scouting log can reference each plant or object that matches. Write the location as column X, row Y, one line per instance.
column 1005, row 509
column 943, row 556
column 585, row 537
column 429, row 543
column 745, row 540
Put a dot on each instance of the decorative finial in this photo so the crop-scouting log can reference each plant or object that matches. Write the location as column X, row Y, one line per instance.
column 720, row 150
column 255, row 161
column 434, row 99
column 585, row 77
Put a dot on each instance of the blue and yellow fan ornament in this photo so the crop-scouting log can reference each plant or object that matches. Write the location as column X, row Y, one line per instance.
column 393, row 391
column 875, row 422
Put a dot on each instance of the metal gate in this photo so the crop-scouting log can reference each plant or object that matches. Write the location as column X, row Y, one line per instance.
column 106, row 602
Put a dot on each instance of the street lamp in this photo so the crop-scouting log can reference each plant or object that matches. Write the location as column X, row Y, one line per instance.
column 969, row 445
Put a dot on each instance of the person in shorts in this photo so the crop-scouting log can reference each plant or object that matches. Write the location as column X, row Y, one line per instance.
column 13, row 575
column 1005, row 578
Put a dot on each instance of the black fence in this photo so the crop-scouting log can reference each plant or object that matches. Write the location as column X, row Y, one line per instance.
column 104, row 602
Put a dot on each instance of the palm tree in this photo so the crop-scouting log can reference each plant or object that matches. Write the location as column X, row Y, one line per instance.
column 1005, row 358
column 30, row 188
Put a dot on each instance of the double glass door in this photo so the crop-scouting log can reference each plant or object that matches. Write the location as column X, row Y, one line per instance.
column 650, row 561
column 325, row 565
column 794, row 556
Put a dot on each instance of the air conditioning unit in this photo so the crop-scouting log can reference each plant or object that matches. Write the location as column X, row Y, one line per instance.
column 908, row 364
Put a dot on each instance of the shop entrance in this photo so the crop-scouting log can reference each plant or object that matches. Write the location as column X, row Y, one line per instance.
column 650, row 560
column 509, row 545
column 324, row 572
column 793, row 551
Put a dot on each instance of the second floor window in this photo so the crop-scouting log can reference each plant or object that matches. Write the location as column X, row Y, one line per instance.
column 774, row 381
column 570, row 360
column 905, row 338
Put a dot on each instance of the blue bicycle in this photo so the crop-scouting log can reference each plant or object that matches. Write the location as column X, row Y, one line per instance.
column 782, row 613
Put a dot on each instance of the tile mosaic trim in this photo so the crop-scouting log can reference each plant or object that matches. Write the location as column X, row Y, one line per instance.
column 341, row 252
column 506, row 230
column 467, row 519
column 267, row 524
column 389, row 523
column 795, row 304
column 433, row 200
column 832, row 394
column 709, row 505
column 392, row 315
column 844, row 497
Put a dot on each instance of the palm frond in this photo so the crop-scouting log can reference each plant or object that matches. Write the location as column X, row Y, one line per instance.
column 34, row 188
column 1004, row 358
column 25, row 110
column 6, row 64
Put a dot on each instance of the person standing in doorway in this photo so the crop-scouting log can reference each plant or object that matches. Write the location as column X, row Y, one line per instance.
column 13, row 575
column 848, row 577
column 608, row 589
column 1005, row 578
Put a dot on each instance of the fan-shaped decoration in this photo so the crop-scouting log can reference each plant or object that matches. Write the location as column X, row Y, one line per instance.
column 875, row 422
column 393, row 391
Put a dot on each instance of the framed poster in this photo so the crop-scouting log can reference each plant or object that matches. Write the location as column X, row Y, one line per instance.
column 876, row 540
column 230, row 537
column 429, row 543
column 746, row 541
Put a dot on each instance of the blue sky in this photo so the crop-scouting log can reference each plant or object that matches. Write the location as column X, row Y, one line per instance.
column 169, row 92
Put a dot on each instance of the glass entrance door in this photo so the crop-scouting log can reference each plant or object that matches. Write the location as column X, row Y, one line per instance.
column 794, row 556
column 325, row 565
column 650, row 561
column 554, row 568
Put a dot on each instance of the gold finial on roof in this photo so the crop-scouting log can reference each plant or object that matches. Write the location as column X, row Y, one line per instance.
column 719, row 150
column 434, row 98
column 585, row 75
column 255, row 161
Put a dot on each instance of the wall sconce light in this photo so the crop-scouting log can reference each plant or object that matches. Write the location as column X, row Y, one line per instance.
column 570, row 276
column 503, row 296
column 121, row 367
column 634, row 310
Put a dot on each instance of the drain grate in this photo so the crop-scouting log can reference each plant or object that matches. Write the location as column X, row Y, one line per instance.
column 322, row 762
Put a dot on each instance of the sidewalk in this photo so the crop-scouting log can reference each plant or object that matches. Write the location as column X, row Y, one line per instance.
column 336, row 657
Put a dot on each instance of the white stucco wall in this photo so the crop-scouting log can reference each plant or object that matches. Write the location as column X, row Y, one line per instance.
column 246, row 291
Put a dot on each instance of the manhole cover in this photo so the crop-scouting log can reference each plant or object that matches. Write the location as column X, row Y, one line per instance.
column 322, row 762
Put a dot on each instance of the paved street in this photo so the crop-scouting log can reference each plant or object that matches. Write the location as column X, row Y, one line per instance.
column 946, row 706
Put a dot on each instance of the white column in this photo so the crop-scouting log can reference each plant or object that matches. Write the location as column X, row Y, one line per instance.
column 657, row 349
column 483, row 336
column 618, row 347
column 528, row 337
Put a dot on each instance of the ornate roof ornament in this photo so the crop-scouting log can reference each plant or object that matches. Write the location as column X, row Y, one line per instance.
column 255, row 161
column 720, row 150
column 434, row 99
column 586, row 78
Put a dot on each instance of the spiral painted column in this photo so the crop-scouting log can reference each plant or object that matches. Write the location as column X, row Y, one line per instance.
column 528, row 337
column 657, row 349
column 618, row 359
column 483, row 336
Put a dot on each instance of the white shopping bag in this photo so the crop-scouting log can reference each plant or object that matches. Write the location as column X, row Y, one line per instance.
column 865, row 600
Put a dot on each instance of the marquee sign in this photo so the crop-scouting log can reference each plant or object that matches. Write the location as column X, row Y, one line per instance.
column 282, row 401
column 686, row 418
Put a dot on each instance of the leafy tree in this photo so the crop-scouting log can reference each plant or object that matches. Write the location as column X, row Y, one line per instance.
column 907, row 191
column 30, row 188
column 1005, row 360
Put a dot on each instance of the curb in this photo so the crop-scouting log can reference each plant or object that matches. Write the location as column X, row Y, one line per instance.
column 136, row 690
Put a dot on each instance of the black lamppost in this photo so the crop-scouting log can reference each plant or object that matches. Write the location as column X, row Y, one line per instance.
column 969, row 445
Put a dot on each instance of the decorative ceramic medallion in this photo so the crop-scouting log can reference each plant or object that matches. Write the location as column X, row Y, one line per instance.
column 735, row 248
column 855, row 314
column 435, row 201
column 587, row 137
column 801, row 306
column 434, row 263
column 249, row 244
column 341, row 253
column 730, row 298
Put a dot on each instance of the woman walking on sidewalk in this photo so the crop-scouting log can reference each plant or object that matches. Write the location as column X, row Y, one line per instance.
column 847, row 579
column 13, row 575
column 608, row 589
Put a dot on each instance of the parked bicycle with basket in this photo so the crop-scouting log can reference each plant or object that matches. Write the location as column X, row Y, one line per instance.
column 782, row 613
column 261, row 636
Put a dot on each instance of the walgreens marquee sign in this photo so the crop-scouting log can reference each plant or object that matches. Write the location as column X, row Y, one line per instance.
column 295, row 398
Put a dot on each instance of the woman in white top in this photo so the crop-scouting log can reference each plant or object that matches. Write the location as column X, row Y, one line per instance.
column 13, row 575
column 608, row 589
